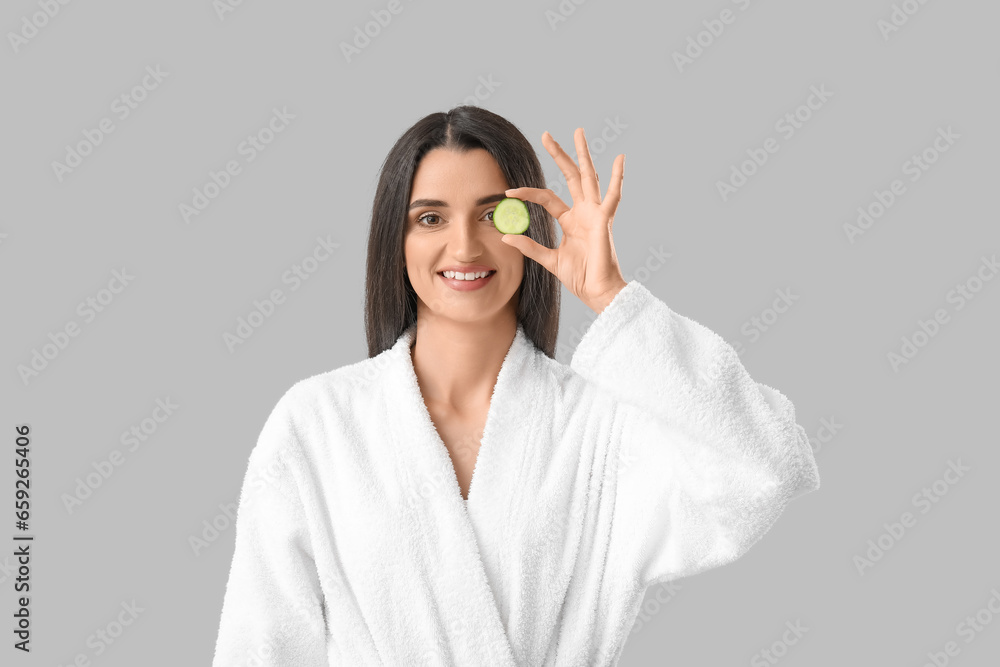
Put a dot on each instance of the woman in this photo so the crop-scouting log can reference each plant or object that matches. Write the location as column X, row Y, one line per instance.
column 462, row 498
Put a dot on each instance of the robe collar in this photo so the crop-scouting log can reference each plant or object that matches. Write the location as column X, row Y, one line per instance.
column 460, row 542
column 509, row 394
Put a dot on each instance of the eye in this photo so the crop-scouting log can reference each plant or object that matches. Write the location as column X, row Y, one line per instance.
column 422, row 220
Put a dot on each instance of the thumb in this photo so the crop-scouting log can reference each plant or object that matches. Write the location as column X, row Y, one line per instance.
column 532, row 250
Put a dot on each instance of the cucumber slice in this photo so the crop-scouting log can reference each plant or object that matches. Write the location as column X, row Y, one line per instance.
column 511, row 216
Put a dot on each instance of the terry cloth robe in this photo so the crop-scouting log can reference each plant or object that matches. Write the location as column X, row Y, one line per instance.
column 652, row 456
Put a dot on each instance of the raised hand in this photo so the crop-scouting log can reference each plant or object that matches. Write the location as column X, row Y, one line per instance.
column 585, row 261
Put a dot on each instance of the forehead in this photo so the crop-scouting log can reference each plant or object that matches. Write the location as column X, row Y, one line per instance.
column 462, row 175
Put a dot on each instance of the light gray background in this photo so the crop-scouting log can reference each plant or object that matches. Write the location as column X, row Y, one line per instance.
column 163, row 335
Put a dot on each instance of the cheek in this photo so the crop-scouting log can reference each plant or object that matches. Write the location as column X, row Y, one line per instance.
column 419, row 256
column 412, row 253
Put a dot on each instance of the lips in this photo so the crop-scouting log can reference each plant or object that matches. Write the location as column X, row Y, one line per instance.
column 491, row 272
column 467, row 268
column 467, row 285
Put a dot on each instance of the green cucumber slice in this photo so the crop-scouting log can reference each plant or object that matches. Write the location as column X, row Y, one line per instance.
column 511, row 216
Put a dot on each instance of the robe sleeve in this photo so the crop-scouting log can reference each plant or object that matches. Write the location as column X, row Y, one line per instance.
column 273, row 611
column 707, row 458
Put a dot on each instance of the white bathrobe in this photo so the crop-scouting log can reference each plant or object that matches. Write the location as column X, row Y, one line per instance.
column 652, row 456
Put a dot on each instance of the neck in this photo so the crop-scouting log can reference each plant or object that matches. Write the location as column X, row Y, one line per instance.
column 457, row 363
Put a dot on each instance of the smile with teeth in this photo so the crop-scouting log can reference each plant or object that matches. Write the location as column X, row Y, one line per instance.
column 466, row 276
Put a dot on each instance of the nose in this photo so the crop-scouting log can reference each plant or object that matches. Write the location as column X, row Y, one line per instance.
column 467, row 237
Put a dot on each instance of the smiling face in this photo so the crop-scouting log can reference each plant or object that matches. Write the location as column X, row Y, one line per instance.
column 450, row 224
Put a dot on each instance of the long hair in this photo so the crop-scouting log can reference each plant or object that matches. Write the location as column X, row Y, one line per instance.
column 390, row 301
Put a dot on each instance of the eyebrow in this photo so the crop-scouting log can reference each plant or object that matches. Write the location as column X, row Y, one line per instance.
column 488, row 199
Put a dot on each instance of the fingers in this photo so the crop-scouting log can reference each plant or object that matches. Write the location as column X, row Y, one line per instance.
column 566, row 166
column 610, row 203
column 533, row 250
column 548, row 199
column 588, row 175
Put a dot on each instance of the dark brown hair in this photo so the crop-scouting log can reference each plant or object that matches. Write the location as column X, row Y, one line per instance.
column 390, row 301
